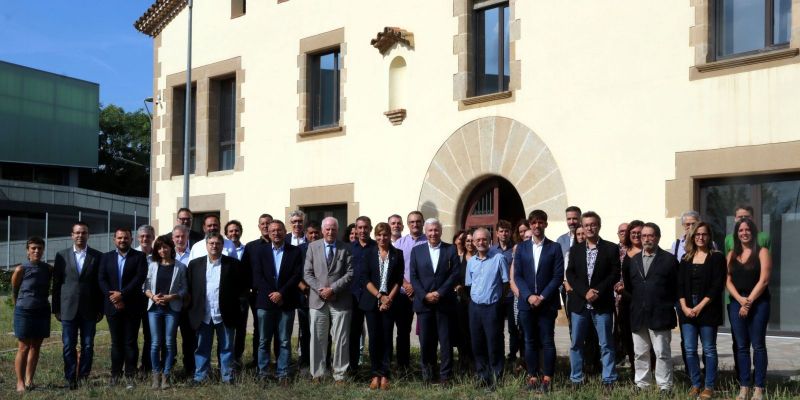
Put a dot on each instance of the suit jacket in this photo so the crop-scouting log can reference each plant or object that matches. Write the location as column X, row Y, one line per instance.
column 545, row 281
column 133, row 276
column 251, row 253
column 424, row 280
column 338, row 276
column 564, row 242
column 74, row 294
column 605, row 275
column 713, row 273
column 231, row 291
column 652, row 296
column 178, row 284
column 291, row 271
column 372, row 273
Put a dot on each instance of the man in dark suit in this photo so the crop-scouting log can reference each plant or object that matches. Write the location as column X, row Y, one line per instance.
column 77, row 301
column 277, row 271
column 328, row 271
column 651, row 284
column 297, row 235
column 216, row 289
column 184, row 218
column 593, row 270
column 359, row 248
column 434, row 272
column 121, row 275
column 538, row 273
column 251, row 252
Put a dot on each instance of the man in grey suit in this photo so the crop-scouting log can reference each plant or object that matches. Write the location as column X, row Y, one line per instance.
column 328, row 272
column 77, row 302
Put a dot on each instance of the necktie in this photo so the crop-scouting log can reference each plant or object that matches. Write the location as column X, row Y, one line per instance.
column 329, row 254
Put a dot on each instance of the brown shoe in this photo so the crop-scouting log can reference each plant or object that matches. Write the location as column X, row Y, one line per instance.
column 384, row 383
column 758, row 394
column 165, row 382
column 707, row 394
column 340, row 383
column 316, row 381
column 694, row 392
column 375, row 383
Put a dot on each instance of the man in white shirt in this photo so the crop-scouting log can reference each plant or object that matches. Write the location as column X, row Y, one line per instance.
column 216, row 292
column 233, row 231
column 211, row 224
column 297, row 220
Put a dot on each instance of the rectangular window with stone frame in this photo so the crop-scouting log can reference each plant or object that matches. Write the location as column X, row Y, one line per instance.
column 222, row 114
column 744, row 27
column 323, row 89
column 178, row 129
column 491, row 40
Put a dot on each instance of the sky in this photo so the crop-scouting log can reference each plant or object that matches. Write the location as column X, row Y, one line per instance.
column 93, row 40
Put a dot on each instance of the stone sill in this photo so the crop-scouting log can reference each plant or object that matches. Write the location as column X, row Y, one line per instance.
column 486, row 98
column 748, row 60
column 320, row 133
column 222, row 173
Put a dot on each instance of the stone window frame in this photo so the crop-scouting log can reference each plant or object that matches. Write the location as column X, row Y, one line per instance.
column 238, row 8
column 464, row 49
column 682, row 193
column 705, row 63
column 309, row 47
column 324, row 195
column 203, row 77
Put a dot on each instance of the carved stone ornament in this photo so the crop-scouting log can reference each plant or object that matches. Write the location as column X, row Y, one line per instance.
column 397, row 116
column 391, row 35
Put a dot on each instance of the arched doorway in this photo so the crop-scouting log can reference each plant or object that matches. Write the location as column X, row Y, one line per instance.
column 492, row 200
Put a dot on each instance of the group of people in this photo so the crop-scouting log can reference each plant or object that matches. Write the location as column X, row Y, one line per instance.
column 623, row 297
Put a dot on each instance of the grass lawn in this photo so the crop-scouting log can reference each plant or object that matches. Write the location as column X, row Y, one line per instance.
column 49, row 380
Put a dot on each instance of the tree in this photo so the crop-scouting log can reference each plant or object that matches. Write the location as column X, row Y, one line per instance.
column 124, row 159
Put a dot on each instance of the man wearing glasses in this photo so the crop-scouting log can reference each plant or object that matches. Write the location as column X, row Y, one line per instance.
column 185, row 218
column 297, row 221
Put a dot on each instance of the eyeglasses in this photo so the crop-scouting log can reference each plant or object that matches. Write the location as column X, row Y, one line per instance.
column 703, row 235
column 635, row 233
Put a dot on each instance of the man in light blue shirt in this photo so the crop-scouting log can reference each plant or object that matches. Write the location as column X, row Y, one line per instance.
column 488, row 278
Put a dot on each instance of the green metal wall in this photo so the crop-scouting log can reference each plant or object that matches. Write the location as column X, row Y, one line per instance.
column 47, row 119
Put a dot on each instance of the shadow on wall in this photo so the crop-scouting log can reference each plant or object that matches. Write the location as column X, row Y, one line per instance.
column 429, row 210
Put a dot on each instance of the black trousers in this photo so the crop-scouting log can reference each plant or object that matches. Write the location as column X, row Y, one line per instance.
column 304, row 337
column 241, row 330
column 124, row 329
column 403, row 313
column 356, row 329
column 188, row 342
column 461, row 336
column 434, row 328
column 380, row 326
column 146, row 366
column 486, row 326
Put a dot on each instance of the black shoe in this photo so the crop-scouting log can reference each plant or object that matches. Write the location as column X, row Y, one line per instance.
column 665, row 393
column 576, row 386
column 114, row 381
column 72, row 385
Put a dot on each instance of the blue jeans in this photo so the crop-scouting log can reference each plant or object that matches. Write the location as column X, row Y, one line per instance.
column 539, row 326
column 270, row 323
column 708, row 336
column 202, row 356
column 747, row 331
column 70, row 329
column 603, row 324
column 163, row 329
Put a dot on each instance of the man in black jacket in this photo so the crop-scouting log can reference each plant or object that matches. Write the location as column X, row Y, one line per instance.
column 216, row 289
column 276, row 272
column 593, row 270
column 651, row 283
column 77, row 302
column 121, row 275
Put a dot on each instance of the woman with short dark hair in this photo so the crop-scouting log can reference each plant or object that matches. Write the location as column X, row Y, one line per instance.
column 749, row 268
column 165, row 286
column 30, row 285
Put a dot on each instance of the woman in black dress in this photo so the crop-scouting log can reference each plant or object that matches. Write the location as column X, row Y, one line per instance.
column 31, row 285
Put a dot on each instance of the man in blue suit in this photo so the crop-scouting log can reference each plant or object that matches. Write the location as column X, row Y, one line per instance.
column 120, row 277
column 538, row 273
column 434, row 271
